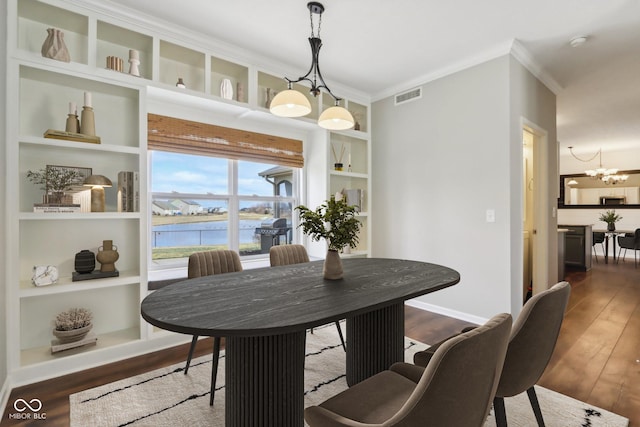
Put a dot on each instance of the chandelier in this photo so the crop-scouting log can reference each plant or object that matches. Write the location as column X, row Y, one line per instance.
column 608, row 176
column 291, row 103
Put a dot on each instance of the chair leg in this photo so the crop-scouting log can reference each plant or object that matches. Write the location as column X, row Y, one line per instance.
column 533, row 398
column 214, row 367
column 344, row 346
column 499, row 412
column 194, row 341
column 594, row 252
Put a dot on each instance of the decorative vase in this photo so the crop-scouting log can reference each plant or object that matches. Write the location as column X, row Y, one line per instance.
column 54, row 47
column 332, row 269
column 73, row 335
column 85, row 261
column 226, row 89
column 239, row 92
column 107, row 256
column 134, row 62
column 88, row 123
column 611, row 226
column 72, row 123
column 54, row 197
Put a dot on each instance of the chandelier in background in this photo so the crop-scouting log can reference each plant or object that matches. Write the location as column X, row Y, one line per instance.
column 291, row 103
column 608, row 176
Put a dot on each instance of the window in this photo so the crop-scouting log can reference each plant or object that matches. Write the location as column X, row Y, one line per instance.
column 201, row 203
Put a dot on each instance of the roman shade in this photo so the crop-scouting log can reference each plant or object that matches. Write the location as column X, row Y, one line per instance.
column 184, row 136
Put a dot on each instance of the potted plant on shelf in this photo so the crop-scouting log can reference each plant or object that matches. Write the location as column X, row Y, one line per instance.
column 54, row 181
column 334, row 221
column 610, row 217
column 73, row 325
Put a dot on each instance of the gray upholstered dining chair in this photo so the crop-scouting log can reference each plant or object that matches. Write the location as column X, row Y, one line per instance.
column 632, row 242
column 294, row 254
column 206, row 264
column 533, row 339
column 454, row 390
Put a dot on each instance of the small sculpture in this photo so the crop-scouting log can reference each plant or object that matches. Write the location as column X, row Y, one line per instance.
column 54, row 46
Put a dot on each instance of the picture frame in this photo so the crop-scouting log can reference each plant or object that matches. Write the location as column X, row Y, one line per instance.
column 83, row 173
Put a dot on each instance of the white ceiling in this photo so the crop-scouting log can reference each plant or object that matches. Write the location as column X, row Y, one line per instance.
column 378, row 47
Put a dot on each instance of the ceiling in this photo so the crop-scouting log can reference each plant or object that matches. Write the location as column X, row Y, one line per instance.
column 380, row 47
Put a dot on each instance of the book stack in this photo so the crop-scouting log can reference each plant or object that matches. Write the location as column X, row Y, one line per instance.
column 56, row 207
column 128, row 191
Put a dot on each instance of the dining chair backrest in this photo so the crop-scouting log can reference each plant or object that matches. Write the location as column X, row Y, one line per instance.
column 287, row 254
column 533, row 339
column 213, row 262
column 454, row 390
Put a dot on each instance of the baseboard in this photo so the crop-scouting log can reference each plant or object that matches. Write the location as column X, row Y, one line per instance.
column 446, row 311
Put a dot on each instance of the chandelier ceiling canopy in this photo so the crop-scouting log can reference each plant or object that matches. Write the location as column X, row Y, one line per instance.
column 291, row 103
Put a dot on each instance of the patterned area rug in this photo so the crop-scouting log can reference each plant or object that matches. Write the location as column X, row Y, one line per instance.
column 167, row 397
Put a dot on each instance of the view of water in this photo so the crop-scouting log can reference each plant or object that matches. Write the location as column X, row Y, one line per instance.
column 201, row 233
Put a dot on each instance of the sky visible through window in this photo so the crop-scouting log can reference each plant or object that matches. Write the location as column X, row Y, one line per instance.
column 185, row 173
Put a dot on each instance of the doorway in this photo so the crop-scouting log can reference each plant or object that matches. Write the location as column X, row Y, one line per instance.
column 528, row 212
column 538, row 211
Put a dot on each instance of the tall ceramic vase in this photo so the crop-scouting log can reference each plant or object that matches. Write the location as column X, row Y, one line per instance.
column 226, row 89
column 332, row 269
column 54, row 46
column 107, row 256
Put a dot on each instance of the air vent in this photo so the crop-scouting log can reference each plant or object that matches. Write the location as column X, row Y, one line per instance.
column 410, row 95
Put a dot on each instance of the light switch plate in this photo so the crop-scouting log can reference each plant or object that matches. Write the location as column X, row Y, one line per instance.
column 491, row 215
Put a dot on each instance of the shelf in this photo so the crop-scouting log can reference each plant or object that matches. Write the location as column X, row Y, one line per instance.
column 34, row 18
column 64, row 284
column 42, row 354
column 181, row 62
column 117, row 41
column 237, row 74
column 82, row 216
column 59, row 143
column 349, row 174
column 44, row 104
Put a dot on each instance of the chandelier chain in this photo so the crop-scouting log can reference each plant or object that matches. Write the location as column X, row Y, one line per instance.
column 585, row 161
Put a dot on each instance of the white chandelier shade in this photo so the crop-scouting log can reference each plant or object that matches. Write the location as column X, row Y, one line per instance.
column 290, row 103
column 336, row 118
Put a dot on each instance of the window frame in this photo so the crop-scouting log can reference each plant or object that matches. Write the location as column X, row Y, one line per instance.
column 233, row 199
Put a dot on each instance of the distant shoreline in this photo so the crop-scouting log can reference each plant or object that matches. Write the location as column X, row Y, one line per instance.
column 186, row 219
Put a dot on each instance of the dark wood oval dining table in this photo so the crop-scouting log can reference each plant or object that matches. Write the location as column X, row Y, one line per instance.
column 264, row 313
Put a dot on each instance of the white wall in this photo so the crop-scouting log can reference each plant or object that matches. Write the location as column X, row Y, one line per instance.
column 439, row 164
column 533, row 105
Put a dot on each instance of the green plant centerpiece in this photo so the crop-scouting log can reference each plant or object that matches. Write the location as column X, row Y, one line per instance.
column 73, row 324
column 336, row 222
column 54, row 181
column 610, row 217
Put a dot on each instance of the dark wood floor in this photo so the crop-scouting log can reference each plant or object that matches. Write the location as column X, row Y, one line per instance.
column 597, row 358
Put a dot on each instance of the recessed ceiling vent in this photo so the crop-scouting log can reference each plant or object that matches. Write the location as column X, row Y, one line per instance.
column 410, row 95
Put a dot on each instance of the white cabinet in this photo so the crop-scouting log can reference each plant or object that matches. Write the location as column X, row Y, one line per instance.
column 324, row 151
column 38, row 96
column 38, row 99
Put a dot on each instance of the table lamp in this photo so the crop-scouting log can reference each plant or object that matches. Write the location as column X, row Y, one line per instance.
column 97, row 184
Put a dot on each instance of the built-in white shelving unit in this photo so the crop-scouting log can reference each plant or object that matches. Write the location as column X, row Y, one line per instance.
column 38, row 96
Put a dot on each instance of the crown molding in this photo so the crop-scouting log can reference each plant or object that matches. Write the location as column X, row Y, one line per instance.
column 523, row 56
column 512, row 47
